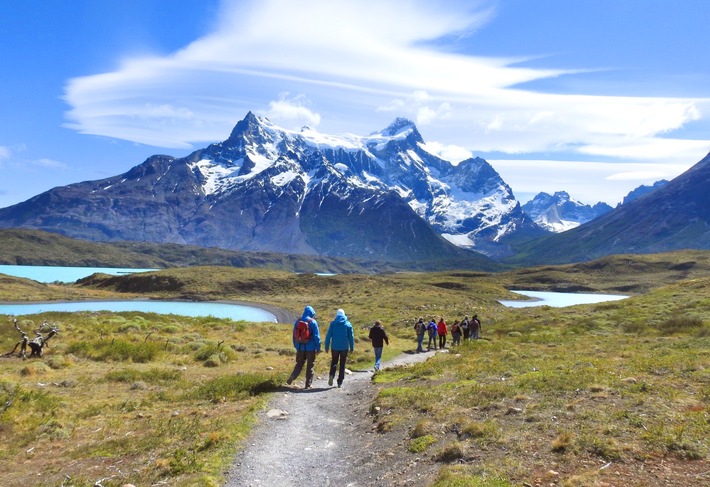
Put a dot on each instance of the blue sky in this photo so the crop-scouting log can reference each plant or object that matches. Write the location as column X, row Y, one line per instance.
column 588, row 96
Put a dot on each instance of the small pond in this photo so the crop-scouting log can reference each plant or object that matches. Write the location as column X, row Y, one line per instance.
column 558, row 300
column 235, row 312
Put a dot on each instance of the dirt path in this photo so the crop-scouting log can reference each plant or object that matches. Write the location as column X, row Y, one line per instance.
column 323, row 436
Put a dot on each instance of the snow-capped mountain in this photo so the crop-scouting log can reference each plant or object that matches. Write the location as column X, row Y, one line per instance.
column 675, row 216
column 558, row 212
column 381, row 196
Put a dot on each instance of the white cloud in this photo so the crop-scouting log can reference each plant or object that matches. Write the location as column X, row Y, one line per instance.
column 451, row 153
column 5, row 153
column 49, row 164
column 292, row 112
column 588, row 182
column 352, row 62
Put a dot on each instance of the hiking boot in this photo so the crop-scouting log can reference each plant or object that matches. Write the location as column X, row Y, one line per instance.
column 307, row 386
column 289, row 380
column 330, row 380
column 340, row 384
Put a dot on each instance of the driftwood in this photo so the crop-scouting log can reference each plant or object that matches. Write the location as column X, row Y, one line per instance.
column 36, row 345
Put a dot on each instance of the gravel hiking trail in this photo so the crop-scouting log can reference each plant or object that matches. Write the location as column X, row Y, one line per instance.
column 325, row 436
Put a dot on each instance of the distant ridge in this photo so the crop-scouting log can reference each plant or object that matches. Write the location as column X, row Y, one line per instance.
column 675, row 216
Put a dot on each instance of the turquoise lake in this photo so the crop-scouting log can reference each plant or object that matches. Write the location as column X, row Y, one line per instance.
column 558, row 300
column 41, row 273
column 218, row 310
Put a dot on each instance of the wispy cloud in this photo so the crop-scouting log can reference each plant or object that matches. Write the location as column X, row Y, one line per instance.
column 292, row 112
column 48, row 164
column 319, row 62
column 529, row 177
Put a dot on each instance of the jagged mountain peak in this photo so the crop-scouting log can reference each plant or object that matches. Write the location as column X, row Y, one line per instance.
column 269, row 188
column 401, row 128
column 560, row 212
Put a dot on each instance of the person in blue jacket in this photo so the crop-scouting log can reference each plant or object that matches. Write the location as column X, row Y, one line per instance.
column 340, row 335
column 306, row 352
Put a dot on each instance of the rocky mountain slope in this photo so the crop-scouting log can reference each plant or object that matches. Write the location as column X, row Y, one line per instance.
column 382, row 196
column 673, row 217
column 559, row 212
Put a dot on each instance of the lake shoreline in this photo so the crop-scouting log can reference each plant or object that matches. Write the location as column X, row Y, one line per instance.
column 282, row 315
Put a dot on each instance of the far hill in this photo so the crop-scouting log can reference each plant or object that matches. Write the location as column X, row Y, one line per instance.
column 675, row 216
column 37, row 247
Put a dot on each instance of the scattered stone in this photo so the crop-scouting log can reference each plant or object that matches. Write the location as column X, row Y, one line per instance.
column 176, row 413
column 139, row 386
column 269, row 368
column 514, row 411
column 277, row 414
column 630, row 380
column 348, row 371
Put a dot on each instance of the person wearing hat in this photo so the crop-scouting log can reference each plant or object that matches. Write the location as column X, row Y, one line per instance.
column 339, row 339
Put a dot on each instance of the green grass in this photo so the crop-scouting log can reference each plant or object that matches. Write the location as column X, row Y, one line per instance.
column 168, row 397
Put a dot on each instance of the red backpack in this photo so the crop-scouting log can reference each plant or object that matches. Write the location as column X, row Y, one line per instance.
column 302, row 332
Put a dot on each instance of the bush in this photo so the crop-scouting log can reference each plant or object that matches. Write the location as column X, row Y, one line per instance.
column 678, row 324
column 423, row 428
column 235, row 387
column 117, row 350
column 451, row 452
column 421, row 443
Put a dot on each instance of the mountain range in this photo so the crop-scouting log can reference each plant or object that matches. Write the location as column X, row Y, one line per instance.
column 265, row 188
column 382, row 197
column 674, row 216
column 559, row 212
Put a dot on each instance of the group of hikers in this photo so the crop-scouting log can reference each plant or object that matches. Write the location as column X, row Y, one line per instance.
column 340, row 340
column 468, row 329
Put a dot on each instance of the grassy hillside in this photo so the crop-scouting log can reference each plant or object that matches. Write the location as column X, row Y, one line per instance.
column 614, row 393
column 36, row 247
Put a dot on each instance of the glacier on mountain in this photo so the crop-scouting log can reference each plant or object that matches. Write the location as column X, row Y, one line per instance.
column 468, row 204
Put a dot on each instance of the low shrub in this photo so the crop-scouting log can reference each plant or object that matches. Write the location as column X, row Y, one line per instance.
column 117, row 350
column 680, row 324
column 235, row 387
column 421, row 443
column 450, row 452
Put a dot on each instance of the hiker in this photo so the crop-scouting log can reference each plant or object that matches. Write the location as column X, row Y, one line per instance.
column 306, row 341
column 475, row 328
column 431, row 330
column 442, row 331
column 420, row 329
column 465, row 327
column 340, row 335
column 456, row 333
column 378, row 336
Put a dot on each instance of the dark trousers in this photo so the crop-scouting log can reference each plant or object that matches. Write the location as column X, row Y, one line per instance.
column 338, row 356
column 442, row 341
column 304, row 357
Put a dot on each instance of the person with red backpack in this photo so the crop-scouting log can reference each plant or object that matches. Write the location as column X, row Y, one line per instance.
column 306, row 341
